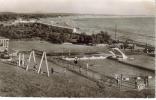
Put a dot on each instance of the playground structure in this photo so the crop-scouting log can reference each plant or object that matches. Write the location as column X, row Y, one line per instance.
column 18, row 58
column 4, row 44
column 113, row 54
column 22, row 62
column 118, row 50
column 44, row 56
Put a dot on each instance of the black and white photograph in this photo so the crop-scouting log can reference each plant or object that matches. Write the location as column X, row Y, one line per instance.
column 77, row 48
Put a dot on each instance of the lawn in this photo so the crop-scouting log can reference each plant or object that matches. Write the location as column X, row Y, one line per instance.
column 16, row 82
column 49, row 47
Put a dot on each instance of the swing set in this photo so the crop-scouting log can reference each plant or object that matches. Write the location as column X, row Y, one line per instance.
column 22, row 62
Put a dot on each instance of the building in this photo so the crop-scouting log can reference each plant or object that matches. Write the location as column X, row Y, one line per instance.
column 4, row 44
column 20, row 20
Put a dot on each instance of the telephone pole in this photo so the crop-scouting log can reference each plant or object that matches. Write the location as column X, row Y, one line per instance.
column 115, row 31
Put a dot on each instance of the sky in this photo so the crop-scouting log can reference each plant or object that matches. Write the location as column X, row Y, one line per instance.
column 115, row 7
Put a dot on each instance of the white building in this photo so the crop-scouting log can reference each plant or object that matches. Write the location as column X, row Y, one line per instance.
column 74, row 30
column 20, row 20
column 4, row 44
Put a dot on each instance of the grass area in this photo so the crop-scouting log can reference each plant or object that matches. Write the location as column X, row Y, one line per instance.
column 17, row 82
column 143, row 60
column 112, row 68
column 49, row 47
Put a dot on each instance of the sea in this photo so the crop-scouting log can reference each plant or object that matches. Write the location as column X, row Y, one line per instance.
column 138, row 28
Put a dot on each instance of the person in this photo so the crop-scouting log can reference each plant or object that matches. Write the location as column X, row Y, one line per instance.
column 35, row 67
column 65, row 70
column 6, row 51
column 75, row 60
column 117, row 79
column 52, row 70
column 87, row 66
column 21, row 62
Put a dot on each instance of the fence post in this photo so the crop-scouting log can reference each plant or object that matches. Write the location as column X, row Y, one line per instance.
column 23, row 60
column 19, row 60
column 68, row 66
column 93, row 75
column 65, row 71
column 147, row 83
column 73, row 67
column 120, row 86
column 87, row 69
column 136, row 83
column 80, row 69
